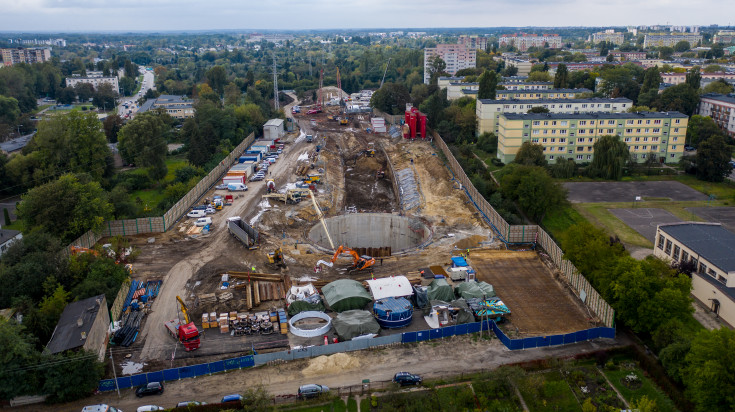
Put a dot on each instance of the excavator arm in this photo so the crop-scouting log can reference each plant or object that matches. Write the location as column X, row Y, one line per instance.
column 337, row 252
column 184, row 309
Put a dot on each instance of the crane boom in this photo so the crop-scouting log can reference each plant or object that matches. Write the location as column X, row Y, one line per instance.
column 184, row 309
column 321, row 218
column 385, row 71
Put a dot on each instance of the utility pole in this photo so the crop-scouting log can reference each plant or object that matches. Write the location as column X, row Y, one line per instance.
column 276, row 104
column 310, row 75
column 114, row 374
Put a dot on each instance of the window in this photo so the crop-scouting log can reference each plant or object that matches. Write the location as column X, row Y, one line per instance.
column 582, row 122
column 648, row 122
column 675, row 256
column 570, row 151
column 629, row 122
column 553, row 140
column 657, row 121
column 676, row 121
column 546, row 131
column 654, row 148
column 702, row 267
column 580, row 148
column 561, row 149
column 580, row 157
column 644, row 147
column 657, row 130
column 668, row 247
column 580, row 140
column 562, row 140
column 627, row 139
column 553, row 131
column 536, row 123
column 589, row 157
column 676, row 130
column 628, row 130
column 551, row 157
column 590, row 140
column 637, row 139
column 536, row 131
column 553, row 123
column 535, row 140
column 544, row 140
column 546, row 123
column 672, row 155
column 589, row 148
column 563, row 122
column 643, row 156
column 592, row 122
column 684, row 256
column 640, row 121
column 673, row 147
column 675, row 139
column 582, row 131
column 660, row 242
column 645, row 139
column 610, row 121
column 637, row 130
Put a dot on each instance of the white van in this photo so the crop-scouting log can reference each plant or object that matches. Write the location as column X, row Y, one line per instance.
column 196, row 214
column 236, row 187
column 203, row 221
column 100, row 408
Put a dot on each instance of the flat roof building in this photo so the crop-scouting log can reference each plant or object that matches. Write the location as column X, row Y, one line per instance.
column 711, row 248
column 540, row 94
column 572, row 136
column 670, row 39
column 473, row 42
column 608, row 36
column 176, row 106
column 488, row 111
column 21, row 55
column 95, row 81
column 721, row 109
column 456, row 57
column 523, row 41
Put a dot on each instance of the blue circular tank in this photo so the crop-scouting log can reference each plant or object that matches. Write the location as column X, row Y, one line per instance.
column 393, row 312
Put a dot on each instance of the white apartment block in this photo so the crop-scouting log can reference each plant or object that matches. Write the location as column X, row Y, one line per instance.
column 724, row 36
column 721, row 109
column 609, row 36
column 522, row 41
column 670, row 39
column 488, row 111
column 456, row 57
column 95, row 81
column 679, row 78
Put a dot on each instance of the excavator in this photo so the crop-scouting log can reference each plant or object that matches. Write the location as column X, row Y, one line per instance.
column 275, row 259
column 360, row 262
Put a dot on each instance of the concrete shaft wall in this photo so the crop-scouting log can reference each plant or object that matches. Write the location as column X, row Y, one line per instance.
column 372, row 230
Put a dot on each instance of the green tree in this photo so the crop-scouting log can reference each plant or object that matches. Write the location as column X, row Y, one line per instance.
column 97, row 275
column 391, row 98
column 682, row 98
column 539, row 77
column 488, row 85
column 72, row 375
column 437, row 67
column 563, row 168
column 112, row 125
column 611, row 156
column 710, row 374
column 561, row 77
column 533, row 189
column 719, row 86
column 232, row 94
column 694, row 78
column 644, row 404
column 84, row 91
column 713, row 157
column 66, row 207
column 531, row 154
column 665, row 52
column 701, row 128
column 682, row 46
column 217, row 77
column 538, row 109
column 651, row 80
column 17, row 352
column 128, row 85
column 143, row 141
column 9, row 110
column 591, row 251
column 104, row 97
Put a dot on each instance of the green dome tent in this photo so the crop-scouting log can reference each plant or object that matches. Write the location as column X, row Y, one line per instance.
column 346, row 294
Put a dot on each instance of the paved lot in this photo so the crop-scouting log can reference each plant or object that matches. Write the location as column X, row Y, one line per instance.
column 724, row 215
column 644, row 220
column 592, row 192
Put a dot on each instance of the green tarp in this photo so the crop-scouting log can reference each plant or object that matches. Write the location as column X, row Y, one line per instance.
column 459, row 309
column 439, row 289
column 352, row 323
column 299, row 306
column 346, row 294
column 488, row 289
column 469, row 290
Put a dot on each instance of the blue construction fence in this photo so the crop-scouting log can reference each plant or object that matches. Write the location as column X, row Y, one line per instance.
column 406, row 337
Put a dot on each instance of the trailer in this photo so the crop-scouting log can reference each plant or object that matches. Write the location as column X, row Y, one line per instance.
column 243, row 231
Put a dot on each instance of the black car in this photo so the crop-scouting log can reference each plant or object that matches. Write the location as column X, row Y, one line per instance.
column 405, row 378
column 152, row 388
column 312, row 390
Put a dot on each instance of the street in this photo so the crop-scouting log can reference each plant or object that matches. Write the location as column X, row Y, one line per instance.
column 148, row 83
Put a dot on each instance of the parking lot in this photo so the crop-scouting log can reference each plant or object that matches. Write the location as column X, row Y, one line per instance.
column 594, row 192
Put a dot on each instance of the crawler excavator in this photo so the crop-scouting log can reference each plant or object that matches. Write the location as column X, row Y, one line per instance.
column 360, row 262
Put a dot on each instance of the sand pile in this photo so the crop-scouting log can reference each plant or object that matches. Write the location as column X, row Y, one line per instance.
column 332, row 364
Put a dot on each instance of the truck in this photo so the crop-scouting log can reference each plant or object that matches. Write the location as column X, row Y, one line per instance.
column 185, row 332
column 309, row 138
column 243, row 231
column 228, row 200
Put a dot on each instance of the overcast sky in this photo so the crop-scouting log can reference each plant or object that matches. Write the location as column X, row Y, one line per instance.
column 153, row 15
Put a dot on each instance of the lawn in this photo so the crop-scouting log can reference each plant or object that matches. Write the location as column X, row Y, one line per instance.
column 336, row 405
column 487, row 158
column 645, row 387
column 556, row 222
column 150, row 198
column 548, row 392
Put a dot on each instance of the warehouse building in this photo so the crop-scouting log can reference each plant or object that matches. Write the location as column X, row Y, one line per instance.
column 488, row 111
column 711, row 248
column 573, row 136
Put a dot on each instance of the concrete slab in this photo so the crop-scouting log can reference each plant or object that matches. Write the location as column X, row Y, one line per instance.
column 644, row 220
column 592, row 192
column 723, row 214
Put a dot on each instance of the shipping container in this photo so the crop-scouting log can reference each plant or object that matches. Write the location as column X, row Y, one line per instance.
column 234, row 179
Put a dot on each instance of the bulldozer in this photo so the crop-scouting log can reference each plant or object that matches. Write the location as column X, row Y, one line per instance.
column 275, row 259
column 359, row 262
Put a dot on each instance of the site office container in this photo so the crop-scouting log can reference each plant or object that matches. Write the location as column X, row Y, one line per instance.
column 259, row 148
column 234, row 179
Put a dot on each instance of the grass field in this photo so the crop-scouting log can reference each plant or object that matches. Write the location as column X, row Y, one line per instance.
column 558, row 221
column 548, row 392
column 150, row 198
column 336, row 405
column 646, row 388
column 487, row 158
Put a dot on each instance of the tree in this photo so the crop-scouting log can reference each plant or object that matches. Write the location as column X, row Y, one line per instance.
column 16, row 353
column 232, row 94
column 112, row 125
column 665, row 52
column 217, row 77
column 710, row 374
column 72, row 375
column 9, row 110
column 488, row 85
column 391, row 98
column 719, row 86
column 713, row 157
column 682, row 46
column 143, row 141
column 66, row 207
column 561, row 77
column 682, row 98
column 538, row 109
column 127, row 85
column 644, row 404
column 694, row 78
column 533, row 189
column 437, row 67
column 563, row 168
column 611, row 156
column 651, row 80
column 531, row 154
column 510, row 71
column 539, row 76
column 701, row 128
column 104, row 97
column 84, row 91
column 66, row 95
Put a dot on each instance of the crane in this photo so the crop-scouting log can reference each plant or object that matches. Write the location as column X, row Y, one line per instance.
column 185, row 332
column 321, row 218
column 384, row 72
column 184, row 309
column 359, row 262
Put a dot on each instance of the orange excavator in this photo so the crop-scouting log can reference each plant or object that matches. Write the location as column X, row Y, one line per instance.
column 360, row 262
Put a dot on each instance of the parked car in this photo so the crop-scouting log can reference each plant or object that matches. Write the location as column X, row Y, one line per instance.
column 100, row 408
column 210, row 211
column 256, row 177
column 149, row 408
column 312, row 390
column 236, row 398
column 197, row 213
column 405, row 378
column 203, row 221
column 153, row 388
column 189, row 403
column 732, row 164
column 221, row 187
column 688, row 148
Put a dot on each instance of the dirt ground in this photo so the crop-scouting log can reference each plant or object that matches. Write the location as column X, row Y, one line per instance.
column 539, row 304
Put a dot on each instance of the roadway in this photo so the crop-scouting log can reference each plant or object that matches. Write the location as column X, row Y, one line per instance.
column 148, row 83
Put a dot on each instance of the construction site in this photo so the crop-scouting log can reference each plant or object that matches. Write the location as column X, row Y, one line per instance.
column 353, row 205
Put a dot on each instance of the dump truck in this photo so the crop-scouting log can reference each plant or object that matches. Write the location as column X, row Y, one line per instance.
column 243, row 231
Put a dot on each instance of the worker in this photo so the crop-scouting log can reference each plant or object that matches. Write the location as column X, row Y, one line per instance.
column 381, row 261
column 468, row 252
column 422, row 273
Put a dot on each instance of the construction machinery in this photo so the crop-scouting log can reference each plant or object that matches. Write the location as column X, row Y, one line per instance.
column 309, row 179
column 359, row 263
column 185, row 332
column 244, row 232
column 275, row 259
column 292, row 196
column 344, row 121
column 270, row 186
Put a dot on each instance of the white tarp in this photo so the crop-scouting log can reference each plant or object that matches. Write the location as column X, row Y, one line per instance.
column 392, row 287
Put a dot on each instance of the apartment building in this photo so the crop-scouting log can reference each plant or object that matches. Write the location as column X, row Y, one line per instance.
column 176, row 106
column 679, row 78
column 527, row 85
column 488, row 111
column 670, row 39
column 458, row 90
column 443, row 82
column 21, row 55
column 523, row 66
column 473, row 42
column 573, row 136
column 575, row 66
column 540, row 94
column 721, row 109
column 522, row 41
column 711, row 248
column 607, row 35
column 95, row 81
column 628, row 56
column 456, row 56
column 724, row 36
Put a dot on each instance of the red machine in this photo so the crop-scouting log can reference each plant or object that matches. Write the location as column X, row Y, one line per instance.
column 416, row 122
column 185, row 332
